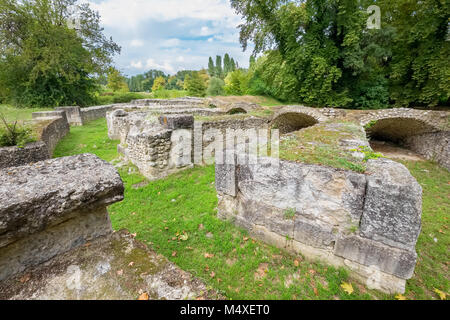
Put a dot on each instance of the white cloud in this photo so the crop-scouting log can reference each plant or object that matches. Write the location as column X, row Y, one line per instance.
column 130, row 13
column 165, row 66
column 136, row 64
column 137, row 43
column 170, row 43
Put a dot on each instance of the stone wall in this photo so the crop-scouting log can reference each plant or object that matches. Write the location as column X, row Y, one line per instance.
column 51, row 130
column 433, row 146
column 158, row 145
column 368, row 223
column 79, row 116
column 53, row 206
column 50, row 127
column 15, row 157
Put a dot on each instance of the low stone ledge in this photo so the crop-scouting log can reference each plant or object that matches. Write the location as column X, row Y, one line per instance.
column 48, row 193
column 15, row 156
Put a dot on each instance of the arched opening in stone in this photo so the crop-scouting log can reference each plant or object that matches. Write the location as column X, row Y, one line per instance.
column 293, row 121
column 392, row 136
column 236, row 111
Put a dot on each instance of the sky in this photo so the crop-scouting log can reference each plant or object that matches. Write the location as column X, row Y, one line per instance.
column 170, row 35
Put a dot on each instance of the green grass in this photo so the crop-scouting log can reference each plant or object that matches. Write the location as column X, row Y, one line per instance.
column 177, row 218
column 433, row 262
column 91, row 138
column 12, row 113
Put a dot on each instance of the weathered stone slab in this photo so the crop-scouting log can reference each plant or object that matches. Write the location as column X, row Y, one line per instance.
column 50, row 192
column 398, row 262
column 177, row 121
column 393, row 205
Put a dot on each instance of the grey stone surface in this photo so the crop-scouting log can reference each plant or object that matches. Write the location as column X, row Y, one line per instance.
column 398, row 262
column 433, row 146
column 177, row 121
column 314, row 234
column 16, row 157
column 48, row 193
column 393, row 205
column 332, row 196
column 73, row 115
column 52, row 130
column 44, row 245
column 114, row 267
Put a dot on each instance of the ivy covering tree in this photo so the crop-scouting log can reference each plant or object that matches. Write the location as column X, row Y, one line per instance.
column 51, row 52
column 321, row 52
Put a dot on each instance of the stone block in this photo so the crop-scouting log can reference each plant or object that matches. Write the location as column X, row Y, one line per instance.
column 177, row 121
column 51, row 192
column 393, row 206
column 398, row 262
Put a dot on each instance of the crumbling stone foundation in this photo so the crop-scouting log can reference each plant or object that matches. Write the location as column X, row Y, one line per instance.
column 368, row 223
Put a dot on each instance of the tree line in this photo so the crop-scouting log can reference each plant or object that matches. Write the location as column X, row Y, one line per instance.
column 322, row 53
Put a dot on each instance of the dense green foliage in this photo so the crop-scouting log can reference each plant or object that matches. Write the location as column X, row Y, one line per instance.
column 322, row 53
column 196, row 85
column 45, row 58
column 215, row 87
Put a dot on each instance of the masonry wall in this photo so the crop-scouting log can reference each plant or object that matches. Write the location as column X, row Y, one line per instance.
column 15, row 157
column 433, row 146
column 367, row 223
column 52, row 130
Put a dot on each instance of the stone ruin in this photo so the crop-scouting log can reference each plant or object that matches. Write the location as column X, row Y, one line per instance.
column 367, row 222
column 56, row 239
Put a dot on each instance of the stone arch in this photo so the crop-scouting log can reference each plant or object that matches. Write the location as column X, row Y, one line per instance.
column 236, row 111
column 291, row 121
column 397, row 129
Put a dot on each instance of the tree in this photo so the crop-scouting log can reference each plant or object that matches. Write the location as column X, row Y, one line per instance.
column 195, row 85
column 226, row 64
column 237, row 82
column 219, row 69
column 216, row 87
column 211, row 67
column 46, row 62
column 159, row 83
column 116, row 81
column 420, row 51
column 232, row 65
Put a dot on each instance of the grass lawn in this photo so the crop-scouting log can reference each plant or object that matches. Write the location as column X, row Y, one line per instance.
column 12, row 113
column 177, row 218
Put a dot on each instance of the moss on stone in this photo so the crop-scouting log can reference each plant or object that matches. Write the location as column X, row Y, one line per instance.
column 322, row 144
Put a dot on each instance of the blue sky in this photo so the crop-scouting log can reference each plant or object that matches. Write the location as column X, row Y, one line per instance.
column 170, row 35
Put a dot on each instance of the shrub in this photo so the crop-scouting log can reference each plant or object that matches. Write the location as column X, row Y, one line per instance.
column 127, row 97
column 13, row 134
column 216, row 87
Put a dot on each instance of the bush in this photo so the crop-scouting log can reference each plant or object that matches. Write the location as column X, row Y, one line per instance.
column 195, row 85
column 216, row 87
column 13, row 134
column 127, row 97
